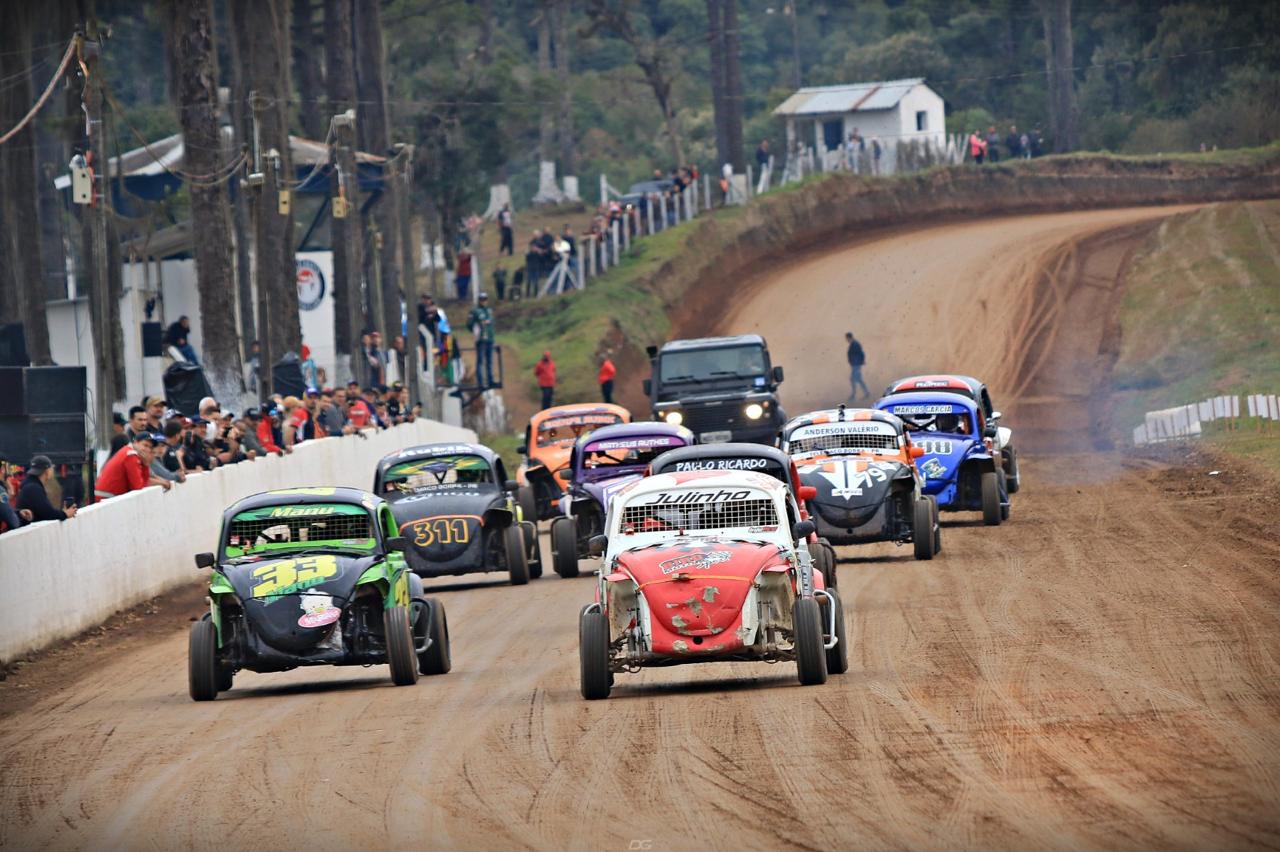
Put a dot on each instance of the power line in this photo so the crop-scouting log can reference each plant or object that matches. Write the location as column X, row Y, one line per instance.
column 26, row 119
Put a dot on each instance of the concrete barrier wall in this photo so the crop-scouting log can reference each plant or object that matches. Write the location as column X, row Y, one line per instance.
column 59, row 578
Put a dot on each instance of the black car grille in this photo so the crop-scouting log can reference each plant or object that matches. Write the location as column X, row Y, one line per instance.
column 714, row 418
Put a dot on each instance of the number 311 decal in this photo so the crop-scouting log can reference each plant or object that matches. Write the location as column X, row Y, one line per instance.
column 442, row 530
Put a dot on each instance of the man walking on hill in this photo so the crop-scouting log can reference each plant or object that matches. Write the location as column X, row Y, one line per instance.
column 605, row 378
column 480, row 321
column 545, row 371
column 856, row 359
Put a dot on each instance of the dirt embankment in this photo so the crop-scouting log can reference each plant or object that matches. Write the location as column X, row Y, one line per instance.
column 721, row 253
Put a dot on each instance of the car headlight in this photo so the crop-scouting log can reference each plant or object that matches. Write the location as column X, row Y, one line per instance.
column 675, row 418
column 754, row 411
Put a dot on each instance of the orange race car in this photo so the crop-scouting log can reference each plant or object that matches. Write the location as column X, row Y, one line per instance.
column 548, row 440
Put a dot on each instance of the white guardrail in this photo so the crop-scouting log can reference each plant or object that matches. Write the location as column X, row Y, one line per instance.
column 1184, row 421
column 58, row 578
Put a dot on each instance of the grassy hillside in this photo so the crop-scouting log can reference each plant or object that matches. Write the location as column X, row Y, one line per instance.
column 1201, row 316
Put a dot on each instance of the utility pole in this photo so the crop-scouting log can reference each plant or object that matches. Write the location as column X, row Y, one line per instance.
column 412, row 365
column 262, row 181
column 94, row 233
column 350, row 305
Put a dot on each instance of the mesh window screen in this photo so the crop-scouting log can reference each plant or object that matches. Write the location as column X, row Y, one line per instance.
column 844, row 441
column 248, row 534
column 699, row 516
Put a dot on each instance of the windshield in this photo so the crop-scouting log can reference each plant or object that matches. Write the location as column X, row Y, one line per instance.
column 841, row 438
column 626, row 451
column 563, row 431
column 702, row 509
column 720, row 363
column 936, row 417
column 274, row 528
column 465, row 469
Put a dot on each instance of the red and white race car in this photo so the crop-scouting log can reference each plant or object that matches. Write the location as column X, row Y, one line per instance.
column 708, row 566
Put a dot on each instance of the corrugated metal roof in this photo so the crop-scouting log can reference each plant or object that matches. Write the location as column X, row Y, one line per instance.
column 855, row 97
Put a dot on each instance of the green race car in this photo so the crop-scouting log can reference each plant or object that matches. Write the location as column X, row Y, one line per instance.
column 313, row 576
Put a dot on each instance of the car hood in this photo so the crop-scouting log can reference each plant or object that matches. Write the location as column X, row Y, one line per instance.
column 697, row 586
column 292, row 602
column 433, row 502
column 943, row 454
column 852, row 482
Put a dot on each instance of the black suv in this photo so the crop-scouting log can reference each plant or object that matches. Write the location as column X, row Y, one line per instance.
column 721, row 388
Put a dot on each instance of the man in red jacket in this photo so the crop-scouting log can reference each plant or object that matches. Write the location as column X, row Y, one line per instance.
column 605, row 378
column 545, row 371
column 130, row 469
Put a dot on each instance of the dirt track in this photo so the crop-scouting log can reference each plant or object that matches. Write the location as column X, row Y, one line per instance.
column 1102, row 671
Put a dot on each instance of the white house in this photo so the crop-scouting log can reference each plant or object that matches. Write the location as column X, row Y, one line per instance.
column 893, row 111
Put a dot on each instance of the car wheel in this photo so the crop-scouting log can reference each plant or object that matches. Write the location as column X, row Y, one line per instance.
column 922, row 528
column 528, row 502
column 824, row 560
column 202, row 661
column 226, row 678
column 937, row 526
column 532, row 548
column 517, row 564
column 838, row 657
column 399, row 639
column 990, row 499
column 564, row 547
column 437, row 658
column 593, row 654
column 831, row 560
column 1012, row 473
column 811, row 657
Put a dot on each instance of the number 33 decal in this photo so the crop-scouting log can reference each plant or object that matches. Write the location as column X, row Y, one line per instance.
column 292, row 575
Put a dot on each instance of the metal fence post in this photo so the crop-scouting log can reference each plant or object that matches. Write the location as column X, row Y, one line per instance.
column 751, row 187
column 626, row 232
column 706, row 190
column 662, row 208
column 615, row 242
column 590, row 265
column 648, row 209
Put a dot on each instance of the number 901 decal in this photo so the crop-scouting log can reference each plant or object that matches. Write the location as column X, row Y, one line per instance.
column 440, row 530
column 293, row 575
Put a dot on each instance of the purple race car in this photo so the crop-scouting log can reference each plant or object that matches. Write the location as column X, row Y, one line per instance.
column 601, row 464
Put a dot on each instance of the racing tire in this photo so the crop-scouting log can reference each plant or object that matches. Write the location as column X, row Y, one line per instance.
column 202, row 661
column 564, row 547
column 1013, row 477
column 991, row 499
column 399, row 637
column 593, row 654
column 437, row 659
column 533, row 548
column 838, row 657
column 824, row 559
column 513, row 550
column 226, row 678
column 832, row 561
column 811, row 657
column 922, row 537
column 937, row 526
column 528, row 501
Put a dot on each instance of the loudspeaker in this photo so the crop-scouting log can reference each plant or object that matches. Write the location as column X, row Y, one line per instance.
column 286, row 376
column 152, row 340
column 13, row 345
column 61, row 437
column 43, row 390
column 184, row 387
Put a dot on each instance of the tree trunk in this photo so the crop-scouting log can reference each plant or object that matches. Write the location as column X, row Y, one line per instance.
column 564, row 33
column 1056, row 17
column 20, row 224
column 375, row 137
column 194, row 88
column 279, row 328
column 306, row 67
column 546, row 118
column 733, row 86
column 349, row 316
column 661, row 86
column 715, row 45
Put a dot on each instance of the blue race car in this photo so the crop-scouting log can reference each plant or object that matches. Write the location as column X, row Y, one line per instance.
column 957, row 465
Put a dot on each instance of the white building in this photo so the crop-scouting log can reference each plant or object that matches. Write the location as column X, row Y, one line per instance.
column 893, row 111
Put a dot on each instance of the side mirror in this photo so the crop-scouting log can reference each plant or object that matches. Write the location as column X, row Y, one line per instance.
column 651, row 351
column 990, row 431
column 777, row 375
column 511, row 486
column 807, row 493
column 648, row 387
column 204, row 560
column 803, row 529
column 523, row 449
column 597, row 545
column 398, row 543
column 917, row 452
column 996, row 415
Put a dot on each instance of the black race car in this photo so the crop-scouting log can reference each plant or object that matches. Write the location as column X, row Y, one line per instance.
column 454, row 505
